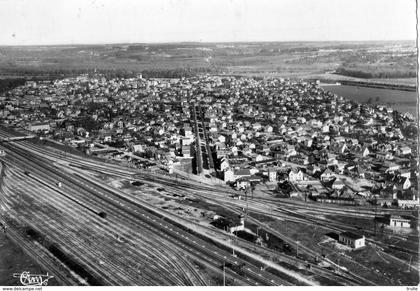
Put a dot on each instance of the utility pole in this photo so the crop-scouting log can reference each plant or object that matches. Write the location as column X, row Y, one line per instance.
column 224, row 274
column 246, row 199
column 409, row 264
column 376, row 208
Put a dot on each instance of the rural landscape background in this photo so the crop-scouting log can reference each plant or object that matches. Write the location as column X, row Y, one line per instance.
column 393, row 62
column 386, row 64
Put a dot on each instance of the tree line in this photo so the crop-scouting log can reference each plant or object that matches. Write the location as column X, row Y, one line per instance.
column 379, row 74
column 58, row 73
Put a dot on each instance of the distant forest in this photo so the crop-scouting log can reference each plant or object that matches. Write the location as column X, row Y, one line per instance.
column 55, row 73
column 377, row 73
column 9, row 84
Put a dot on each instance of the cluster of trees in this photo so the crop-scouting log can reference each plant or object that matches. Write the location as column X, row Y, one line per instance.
column 88, row 123
column 9, row 84
column 52, row 73
column 178, row 73
column 59, row 73
column 379, row 73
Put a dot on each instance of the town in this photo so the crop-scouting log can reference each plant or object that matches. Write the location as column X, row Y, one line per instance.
column 294, row 138
column 278, row 181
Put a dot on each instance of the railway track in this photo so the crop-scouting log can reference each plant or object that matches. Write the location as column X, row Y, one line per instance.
column 251, row 272
column 113, row 250
column 61, row 230
column 233, row 208
column 280, row 213
column 352, row 279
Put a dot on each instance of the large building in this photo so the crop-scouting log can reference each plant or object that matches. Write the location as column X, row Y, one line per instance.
column 39, row 126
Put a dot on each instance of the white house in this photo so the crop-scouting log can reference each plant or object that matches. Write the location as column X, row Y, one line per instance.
column 295, row 175
column 137, row 148
column 272, row 175
column 229, row 176
column 409, row 203
column 404, row 151
column 291, row 151
column 399, row 221
column 224, row 165
column 325, row 129
column 365, row 151
column 338, row 184
column 327, row 175
column 351, row 239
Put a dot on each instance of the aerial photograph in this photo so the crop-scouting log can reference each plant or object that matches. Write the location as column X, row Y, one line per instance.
column 209, row 143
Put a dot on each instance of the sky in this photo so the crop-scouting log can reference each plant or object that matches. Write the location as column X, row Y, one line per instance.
column 48, row 22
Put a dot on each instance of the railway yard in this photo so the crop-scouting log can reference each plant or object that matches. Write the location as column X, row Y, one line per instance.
column 93, row 223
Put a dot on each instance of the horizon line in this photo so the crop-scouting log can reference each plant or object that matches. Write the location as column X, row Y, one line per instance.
column 203, row 42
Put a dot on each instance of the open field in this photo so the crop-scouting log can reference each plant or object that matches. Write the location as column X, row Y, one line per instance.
column 279, row 59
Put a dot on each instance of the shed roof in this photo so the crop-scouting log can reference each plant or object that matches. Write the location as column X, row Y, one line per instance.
column 351, row 235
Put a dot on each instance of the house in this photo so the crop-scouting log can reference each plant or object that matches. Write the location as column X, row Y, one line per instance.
column 380, row 156
column 343, row 148
column 365, row 151
column 338, row 184
column 401, row 182
column 272, row 175
column 229, row 175
column 268, row 129
column 399, row 221
column 351, row 239
column 327, row 175
column 390, row 167
column 233, row 175
column 224, row 165
column 291, row 151
column 221, row 139
column 408, row 203
column 295, row 175
column 242, row 173
column 404, row 150
column 137, row 148
column 331, row 160
column 187, row 140
column 187, row 131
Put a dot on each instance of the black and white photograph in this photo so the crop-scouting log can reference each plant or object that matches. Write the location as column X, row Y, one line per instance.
column 212, row 143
